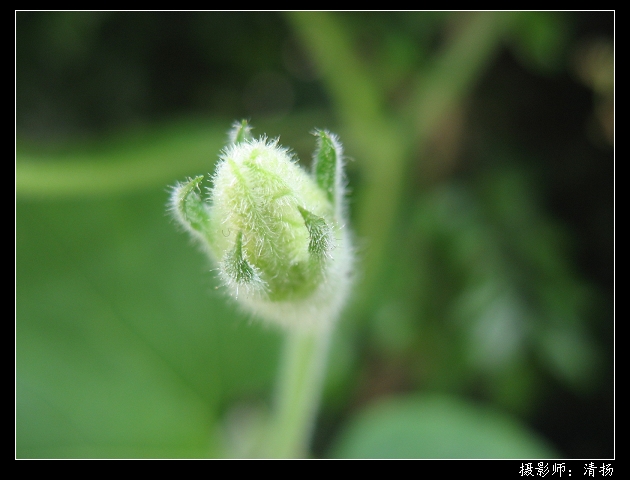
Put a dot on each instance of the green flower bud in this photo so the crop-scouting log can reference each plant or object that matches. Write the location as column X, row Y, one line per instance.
column 276, row 232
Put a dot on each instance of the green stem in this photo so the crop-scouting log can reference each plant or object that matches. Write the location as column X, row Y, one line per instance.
column 299, row 392
column 117, row 165
column 386, row 140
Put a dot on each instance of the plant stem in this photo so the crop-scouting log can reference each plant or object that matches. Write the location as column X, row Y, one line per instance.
column 299, row 392
column 385, row 140
column 120, row 164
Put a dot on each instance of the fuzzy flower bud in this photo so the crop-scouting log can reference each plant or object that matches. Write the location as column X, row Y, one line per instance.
column 276, row 232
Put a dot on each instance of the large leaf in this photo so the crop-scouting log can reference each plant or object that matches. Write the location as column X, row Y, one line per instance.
column 124, row 348
column 436, row 427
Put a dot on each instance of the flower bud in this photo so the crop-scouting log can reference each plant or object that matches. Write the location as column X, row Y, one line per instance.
column 274, row 230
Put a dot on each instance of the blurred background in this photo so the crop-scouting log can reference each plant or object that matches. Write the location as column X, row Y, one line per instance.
column 481, row 192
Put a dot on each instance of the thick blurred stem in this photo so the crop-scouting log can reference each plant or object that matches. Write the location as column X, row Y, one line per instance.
column 299, row 393
column 386, row 141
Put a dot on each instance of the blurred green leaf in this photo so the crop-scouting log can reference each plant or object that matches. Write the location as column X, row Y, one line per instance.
column 123, row 347
column 436, row 427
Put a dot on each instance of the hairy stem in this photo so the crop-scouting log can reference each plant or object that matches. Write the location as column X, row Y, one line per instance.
column 299, row 392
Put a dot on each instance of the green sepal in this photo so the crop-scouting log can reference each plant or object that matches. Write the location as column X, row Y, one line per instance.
column 326, row 166
column 190, row 208
column 241, row 132
column 236, row 265
column 320, row 241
